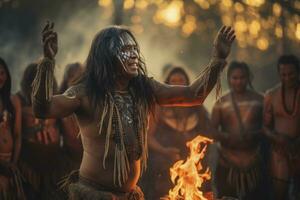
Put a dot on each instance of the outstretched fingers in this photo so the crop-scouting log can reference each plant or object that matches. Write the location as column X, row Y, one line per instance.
column 47, row 34
column 46, row 27
column 51, row 25
column 222, row 30
column 227, row 30
column 50, row 37
column 232, row 39
column 230, row 34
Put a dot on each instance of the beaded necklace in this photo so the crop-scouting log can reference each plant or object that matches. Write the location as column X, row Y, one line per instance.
column 121, row 112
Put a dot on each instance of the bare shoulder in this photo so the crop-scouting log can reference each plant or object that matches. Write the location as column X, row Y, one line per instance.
column 224, row 98
column 271, row 92
column 76, row 91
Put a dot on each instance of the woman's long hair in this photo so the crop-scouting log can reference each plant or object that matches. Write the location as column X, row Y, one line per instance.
column 5, row 91
column 102, row 68
column 242, row 66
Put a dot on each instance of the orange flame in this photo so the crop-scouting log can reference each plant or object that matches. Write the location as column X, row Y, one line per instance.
column 187, row 175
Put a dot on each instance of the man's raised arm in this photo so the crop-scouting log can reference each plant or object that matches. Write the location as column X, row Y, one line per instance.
column 195, row 93
column 45, row 105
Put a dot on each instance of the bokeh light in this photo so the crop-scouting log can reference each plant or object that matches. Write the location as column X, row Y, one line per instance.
column 256, row 22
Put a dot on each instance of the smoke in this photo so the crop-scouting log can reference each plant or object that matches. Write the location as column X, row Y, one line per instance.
column 77, row 23
column 76, row 29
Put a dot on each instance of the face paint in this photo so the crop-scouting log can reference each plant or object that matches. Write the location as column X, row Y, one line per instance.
column 128, row 55
column 128, row 48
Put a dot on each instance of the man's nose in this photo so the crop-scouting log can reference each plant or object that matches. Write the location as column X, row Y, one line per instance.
column 238, row 81
column 134, row 54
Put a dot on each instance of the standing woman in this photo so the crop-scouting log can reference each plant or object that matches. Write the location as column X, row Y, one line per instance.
column 10, row 138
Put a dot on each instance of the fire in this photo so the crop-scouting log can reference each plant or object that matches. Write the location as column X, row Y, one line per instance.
column 188, row 176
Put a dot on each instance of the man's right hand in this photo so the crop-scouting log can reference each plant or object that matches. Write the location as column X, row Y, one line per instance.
column 50, row 44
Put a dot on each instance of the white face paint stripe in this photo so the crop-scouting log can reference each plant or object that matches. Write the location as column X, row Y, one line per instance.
column 127, row 50
column 242, row 104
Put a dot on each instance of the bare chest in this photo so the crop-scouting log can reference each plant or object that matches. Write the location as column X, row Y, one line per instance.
column 286, row 106
column 250, row 111
column 113, row 124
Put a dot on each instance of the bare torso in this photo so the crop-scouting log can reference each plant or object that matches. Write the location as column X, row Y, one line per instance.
column 285, row 120
column 6, row 139
column 94, row 148
column 240, row 145
column 71, row 134
column 92, row 165
column 182, row 119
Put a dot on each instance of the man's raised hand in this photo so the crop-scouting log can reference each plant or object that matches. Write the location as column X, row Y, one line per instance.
column 223, row 41
column 49, row 40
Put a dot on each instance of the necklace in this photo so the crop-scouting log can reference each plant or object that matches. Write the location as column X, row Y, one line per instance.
column 294, row 109
column 127, row 110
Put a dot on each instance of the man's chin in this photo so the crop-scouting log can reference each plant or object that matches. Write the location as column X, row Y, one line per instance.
column 132, row 74
column 290, row 84
column 239, row 90
column 135, row 75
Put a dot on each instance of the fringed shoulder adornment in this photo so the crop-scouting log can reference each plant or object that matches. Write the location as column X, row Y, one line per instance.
column 215, row 64
column 45, row 78
column 121, row 111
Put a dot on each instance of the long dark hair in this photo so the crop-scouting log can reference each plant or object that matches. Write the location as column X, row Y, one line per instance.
column 5, row 91
column 289, row 59
column 70, row 68
column 102, row 68
column 242, row 66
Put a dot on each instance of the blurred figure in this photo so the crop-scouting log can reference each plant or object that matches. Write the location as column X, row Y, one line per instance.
column 10, row 138
column 238, row 115
column 72, row 74
column 282, row 127
column 70, row 129
column 41, row 151
column 169, row 131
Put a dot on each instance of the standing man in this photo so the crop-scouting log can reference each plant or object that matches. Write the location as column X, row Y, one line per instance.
column 238, row 115
column 282, row 127
column 112, row 105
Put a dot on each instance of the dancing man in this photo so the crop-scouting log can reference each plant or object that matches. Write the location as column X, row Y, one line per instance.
column 112, row 104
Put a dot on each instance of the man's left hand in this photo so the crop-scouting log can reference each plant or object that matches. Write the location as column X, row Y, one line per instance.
column 223, row 42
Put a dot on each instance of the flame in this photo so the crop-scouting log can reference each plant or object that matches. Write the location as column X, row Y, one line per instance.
column 187, row 175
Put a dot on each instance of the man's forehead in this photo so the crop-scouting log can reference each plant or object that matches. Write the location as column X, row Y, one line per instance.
column 287, row 67
column 127, row 40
